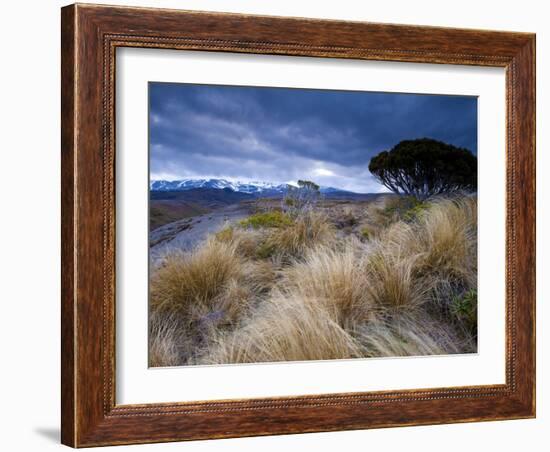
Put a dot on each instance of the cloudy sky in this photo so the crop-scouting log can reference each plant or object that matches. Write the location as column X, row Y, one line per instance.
column 282, row 135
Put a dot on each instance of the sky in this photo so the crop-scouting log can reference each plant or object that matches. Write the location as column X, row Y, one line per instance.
column 283, row 134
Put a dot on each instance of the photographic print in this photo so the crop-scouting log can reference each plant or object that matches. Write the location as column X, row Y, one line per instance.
column 290, row 224
column 287, row 211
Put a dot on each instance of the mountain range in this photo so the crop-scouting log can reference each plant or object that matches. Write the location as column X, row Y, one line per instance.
column 256, row 188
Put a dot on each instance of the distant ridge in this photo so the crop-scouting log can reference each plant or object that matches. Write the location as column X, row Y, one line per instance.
column 256, row 188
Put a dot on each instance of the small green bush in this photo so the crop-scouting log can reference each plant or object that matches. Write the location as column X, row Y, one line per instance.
column 464, row 308
column 406, row 208
column 225, row 235
column 272, row 219
column 366, row 233
column 392, row 208
column 414, row 212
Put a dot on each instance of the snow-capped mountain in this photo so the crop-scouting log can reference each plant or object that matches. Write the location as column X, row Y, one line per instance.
column 242, row 187
column 254, row 188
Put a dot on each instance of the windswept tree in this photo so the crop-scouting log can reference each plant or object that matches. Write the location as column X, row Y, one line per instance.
column 425, row 167
column 302, row 197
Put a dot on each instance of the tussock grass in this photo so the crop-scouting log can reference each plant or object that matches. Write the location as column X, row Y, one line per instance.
column 285, row 329
column 187, row 281
column 391, row 281
column 307, row 231
column 164, row 338
column 198, row 293
column 449, row 239
column 332, row 280
column 407, row 335
column 261, row 275
column 245, row 242
column 316, row 287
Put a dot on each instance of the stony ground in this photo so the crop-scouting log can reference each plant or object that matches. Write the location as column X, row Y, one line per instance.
column 185, row 234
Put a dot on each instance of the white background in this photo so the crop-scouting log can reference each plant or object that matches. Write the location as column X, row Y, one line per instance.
column 30, row 225
column 138, row 384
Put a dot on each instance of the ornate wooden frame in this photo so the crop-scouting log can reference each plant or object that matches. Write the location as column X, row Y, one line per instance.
column 90, row 35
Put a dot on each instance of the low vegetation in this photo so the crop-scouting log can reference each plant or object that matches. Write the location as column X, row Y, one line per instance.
column 390, row 277
column 272, row 219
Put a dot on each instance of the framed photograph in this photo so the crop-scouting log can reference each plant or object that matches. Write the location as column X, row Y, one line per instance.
column 281, row 225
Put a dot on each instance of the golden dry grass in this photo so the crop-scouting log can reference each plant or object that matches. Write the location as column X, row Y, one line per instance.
column 407, row 335
column 193, row 295
column 391, row 280
column 311, row 289
column 284, row 329
column 307, row 231
column 189, row 281
column 333, row 280
column 164, row 338
column 245, row 242
column 448, row 239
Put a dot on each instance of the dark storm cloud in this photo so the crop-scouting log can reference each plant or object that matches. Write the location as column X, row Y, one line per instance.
column 281, row 135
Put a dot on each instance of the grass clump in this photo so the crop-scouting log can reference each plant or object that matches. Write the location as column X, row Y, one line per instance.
column 448, row 239
column 196, row 293
column 407, row 335
column 392, row 283
column 332, row 280
column 245, row 242
column 308, row 230
column 164, row 339
column 225, row 235
column 284, row 329
column 265, row 250
column 186, row 281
